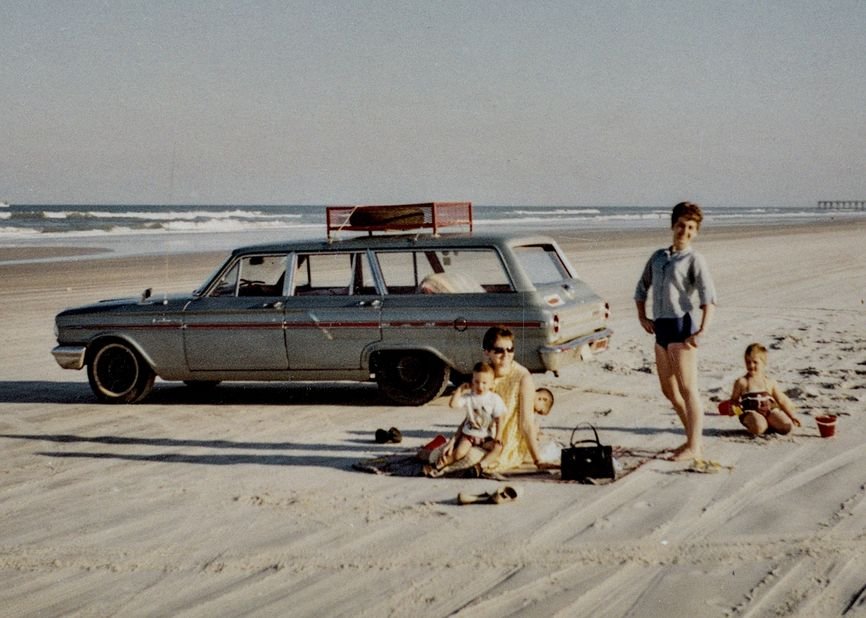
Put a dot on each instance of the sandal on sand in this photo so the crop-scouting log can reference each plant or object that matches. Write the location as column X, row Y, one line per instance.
column 706, row 466
column 502, row 494
column 392, row 435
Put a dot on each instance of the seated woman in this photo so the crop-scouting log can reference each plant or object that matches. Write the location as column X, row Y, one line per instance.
column 513, row 382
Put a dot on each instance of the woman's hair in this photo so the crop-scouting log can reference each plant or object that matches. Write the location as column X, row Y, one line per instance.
column 482, row 367
column 756, row 349
column 493, row 333
column 689, row 211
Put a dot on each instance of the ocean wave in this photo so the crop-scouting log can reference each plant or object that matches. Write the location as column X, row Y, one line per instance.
column 560, row 211
column 550, row 220
column 230, row 225
column 185, row 215
column 207, row 226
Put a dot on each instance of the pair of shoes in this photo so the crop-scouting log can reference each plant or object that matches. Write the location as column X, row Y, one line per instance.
column 392, row 435
column 506, row 493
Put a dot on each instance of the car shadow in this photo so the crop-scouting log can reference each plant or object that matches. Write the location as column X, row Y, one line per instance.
column 278, row 453
column 341, row 463
column 350, row 394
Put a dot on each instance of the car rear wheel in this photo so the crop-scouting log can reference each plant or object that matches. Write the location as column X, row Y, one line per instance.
column 411, row 378
column 118, row 374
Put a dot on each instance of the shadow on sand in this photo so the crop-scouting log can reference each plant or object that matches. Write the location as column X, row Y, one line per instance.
column 176, row 393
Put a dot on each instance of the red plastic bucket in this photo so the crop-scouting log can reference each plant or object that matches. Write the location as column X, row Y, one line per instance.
column 826, row 425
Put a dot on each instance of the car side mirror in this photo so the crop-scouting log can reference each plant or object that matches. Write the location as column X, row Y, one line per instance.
column 146, row 294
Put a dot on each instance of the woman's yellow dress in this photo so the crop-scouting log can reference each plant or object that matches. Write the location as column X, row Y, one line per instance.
column 515, row 450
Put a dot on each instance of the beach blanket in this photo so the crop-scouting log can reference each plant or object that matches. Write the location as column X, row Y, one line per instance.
column 407, row 463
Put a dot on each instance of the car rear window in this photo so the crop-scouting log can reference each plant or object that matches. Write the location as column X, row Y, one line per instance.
column 542, row 263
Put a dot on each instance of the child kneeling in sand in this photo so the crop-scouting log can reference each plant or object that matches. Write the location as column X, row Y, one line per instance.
column 481, row 427
column 765, row 407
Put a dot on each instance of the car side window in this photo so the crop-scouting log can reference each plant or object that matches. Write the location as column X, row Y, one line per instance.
column 333, row 274
column 253, row 275
column 443, row 271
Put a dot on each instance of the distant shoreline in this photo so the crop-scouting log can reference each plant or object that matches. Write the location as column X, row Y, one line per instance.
column 576, row 239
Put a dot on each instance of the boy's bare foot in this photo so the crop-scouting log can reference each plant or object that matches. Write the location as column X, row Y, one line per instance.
column 431, row 471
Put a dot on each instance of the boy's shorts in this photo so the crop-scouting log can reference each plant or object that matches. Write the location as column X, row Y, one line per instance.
column 475, row 440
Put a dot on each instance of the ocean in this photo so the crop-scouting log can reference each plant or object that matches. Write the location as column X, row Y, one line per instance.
column 147, row 229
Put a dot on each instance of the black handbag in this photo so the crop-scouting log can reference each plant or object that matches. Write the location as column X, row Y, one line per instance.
column 580, row 463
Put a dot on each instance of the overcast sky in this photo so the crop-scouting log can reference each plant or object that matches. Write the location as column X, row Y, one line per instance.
column 560, row 103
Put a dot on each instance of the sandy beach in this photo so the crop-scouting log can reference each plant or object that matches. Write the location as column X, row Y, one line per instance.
column 244, row 501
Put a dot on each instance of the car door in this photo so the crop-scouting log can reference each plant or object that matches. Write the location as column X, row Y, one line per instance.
column 332, row 312
column 445, row 299
column 238, row 325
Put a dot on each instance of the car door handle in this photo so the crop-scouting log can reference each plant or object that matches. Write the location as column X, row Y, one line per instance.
column 375, row 304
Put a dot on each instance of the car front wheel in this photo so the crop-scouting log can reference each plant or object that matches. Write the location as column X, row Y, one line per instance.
column 411, row 378
column 118, row 374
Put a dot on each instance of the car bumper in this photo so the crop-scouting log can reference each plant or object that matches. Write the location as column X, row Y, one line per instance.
column 580, row 349
column 70, row 356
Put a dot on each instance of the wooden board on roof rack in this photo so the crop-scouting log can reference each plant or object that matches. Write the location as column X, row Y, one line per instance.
column 378, row 216
column 399, row 217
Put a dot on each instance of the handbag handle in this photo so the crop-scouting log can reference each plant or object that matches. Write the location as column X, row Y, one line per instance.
column 591, row 426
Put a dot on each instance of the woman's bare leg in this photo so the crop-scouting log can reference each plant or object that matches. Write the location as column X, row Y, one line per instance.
column 670, row 384
column 684, row 361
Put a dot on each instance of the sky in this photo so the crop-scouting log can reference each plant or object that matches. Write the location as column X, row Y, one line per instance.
column 370, row 101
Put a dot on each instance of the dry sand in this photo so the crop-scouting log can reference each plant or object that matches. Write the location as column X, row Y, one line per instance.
column 245, row 502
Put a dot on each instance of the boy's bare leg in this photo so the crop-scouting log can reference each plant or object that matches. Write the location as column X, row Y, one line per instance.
column 472, row 457
column 459, row 452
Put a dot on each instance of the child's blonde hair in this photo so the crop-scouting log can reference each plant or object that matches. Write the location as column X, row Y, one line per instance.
column 756, row 349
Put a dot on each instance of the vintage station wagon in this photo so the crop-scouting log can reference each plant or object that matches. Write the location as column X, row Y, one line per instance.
column 406, row 310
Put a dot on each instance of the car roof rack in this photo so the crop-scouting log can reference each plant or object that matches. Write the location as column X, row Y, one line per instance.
column 398, row 217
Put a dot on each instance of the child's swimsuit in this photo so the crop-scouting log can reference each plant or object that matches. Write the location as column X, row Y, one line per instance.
column 761, row 402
